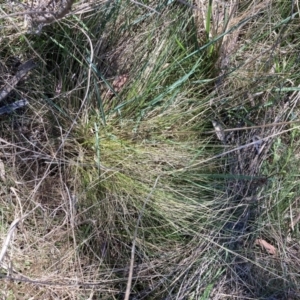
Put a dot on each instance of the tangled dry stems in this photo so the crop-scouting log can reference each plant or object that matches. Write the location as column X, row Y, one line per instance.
column 78, row 195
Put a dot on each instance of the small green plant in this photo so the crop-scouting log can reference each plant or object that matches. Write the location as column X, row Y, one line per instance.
column 115, row 172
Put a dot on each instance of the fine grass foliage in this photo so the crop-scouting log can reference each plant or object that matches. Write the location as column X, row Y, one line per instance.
column 113, row 176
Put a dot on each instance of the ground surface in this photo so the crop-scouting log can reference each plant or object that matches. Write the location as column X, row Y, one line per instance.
column 158, row 154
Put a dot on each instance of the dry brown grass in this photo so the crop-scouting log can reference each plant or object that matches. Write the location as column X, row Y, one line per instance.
column 146, row 197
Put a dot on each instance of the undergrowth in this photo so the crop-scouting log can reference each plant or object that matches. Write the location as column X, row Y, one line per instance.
column 114, row 177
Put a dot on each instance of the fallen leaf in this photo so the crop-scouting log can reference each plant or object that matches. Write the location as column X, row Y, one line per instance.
column 219, row 131
column 294, row 222
column 2, row 170
column 119, row 82
column 265, row 245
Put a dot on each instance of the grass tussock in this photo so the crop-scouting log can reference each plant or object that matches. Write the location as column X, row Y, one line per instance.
column 114, row 184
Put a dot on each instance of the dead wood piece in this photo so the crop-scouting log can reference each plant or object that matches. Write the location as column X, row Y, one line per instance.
column 43, row 17
column 11, row 84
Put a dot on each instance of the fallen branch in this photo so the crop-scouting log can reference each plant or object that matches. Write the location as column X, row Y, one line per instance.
column 47, row 17
column 11, row 84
